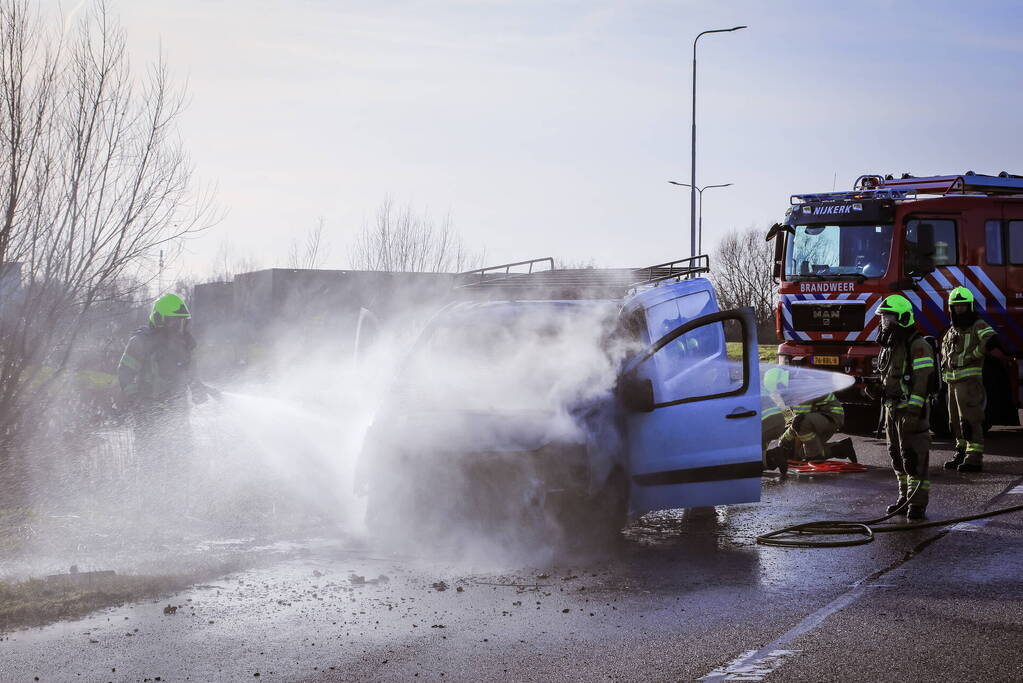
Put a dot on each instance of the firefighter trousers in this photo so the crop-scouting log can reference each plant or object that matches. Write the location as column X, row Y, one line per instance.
column 966, row 402
column 771, row 428
column 909, row 444
column 811, row 431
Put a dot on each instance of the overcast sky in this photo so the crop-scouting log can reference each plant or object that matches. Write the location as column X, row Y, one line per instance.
column 548, row 127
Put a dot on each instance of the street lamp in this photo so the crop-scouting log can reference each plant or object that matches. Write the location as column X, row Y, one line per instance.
column 699, row 246
column 692, row 176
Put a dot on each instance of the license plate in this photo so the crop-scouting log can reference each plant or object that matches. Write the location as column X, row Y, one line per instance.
column 825, row 360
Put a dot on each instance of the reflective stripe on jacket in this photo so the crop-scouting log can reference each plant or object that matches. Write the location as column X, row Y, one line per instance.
column 962, row 351
column 906, row 370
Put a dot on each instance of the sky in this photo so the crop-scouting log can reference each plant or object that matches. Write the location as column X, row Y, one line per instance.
column 551, row 127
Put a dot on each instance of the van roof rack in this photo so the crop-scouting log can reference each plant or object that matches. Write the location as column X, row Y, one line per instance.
column 571, row 283
column 910, row 187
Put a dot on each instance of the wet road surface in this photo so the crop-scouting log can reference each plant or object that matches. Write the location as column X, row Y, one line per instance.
column 688, row 596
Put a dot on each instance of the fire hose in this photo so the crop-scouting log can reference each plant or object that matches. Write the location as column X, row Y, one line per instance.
column 801, row 535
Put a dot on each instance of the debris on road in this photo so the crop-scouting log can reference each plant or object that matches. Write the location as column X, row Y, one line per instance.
column 439, row 586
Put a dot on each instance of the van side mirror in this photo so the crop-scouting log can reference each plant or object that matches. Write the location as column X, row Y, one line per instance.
column 777, row 233
column 637, row 395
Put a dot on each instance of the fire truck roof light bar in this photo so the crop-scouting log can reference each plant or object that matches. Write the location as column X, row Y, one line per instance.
column 910, row 187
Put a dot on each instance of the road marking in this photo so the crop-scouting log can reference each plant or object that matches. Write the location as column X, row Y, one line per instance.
column 754, row 657
column 749, row 667
column 973, row 525
column 755, row 665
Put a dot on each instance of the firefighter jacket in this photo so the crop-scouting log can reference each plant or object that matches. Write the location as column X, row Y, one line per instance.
column 828, row 406
column 157, row 365
column 963, row 349
column 906, row 370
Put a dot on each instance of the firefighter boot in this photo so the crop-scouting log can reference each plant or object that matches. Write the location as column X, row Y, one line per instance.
column 920, row 493
column 842, row 450
column 957, row 459
column 900, row 504
column 777, row 457
column 974, row 444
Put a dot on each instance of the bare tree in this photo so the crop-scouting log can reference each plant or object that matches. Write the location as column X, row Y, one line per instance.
column 401, row 240
column 228, row 262
column 93, row 182
column 741, row 271
column 313, row 251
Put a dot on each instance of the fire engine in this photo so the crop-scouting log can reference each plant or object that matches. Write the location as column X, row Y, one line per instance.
column 838, row 254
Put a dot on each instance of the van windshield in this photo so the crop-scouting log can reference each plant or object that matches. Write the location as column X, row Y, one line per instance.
column 823, row 251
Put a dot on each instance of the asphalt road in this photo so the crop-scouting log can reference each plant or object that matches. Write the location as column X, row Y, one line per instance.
column 688, row 596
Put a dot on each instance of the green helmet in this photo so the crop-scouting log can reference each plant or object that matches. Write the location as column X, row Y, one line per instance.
column 960, row 295
column 168, row 306
column 776, row 379
column 899, row 306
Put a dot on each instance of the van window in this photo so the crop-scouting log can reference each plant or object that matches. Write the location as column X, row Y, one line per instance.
column 700, row 364
column 944, row 239
column 664, row 317
column 1016, row 242
column 993, row 243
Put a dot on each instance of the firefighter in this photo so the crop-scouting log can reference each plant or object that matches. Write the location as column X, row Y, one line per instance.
column 808, row 425
column 963, row 348
column 773, row 419
column 156, row 376
column 906, row 363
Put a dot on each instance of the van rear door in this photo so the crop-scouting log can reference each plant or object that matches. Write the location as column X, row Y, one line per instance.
column 692, row 402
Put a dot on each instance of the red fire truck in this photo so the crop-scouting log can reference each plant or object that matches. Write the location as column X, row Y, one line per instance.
column 838, row 254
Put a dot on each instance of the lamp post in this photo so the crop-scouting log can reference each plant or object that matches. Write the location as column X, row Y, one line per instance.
column 699, row 245
column 692, row 176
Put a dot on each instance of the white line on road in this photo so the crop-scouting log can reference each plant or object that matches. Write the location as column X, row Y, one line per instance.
column 755, row 665
column 746, row 667
column 753, row 658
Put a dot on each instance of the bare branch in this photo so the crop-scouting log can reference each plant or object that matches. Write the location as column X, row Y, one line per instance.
column 403, row 241
column 93, row 181
column 741, row 271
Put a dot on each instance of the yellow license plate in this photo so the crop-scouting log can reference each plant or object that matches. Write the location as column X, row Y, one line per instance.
column 825, row 360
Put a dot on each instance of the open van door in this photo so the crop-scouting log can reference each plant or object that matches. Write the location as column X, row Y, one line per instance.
column 692, row 403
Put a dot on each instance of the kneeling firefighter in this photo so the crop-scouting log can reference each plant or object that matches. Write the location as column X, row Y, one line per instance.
column 804, row 429
column 906, row 364
column 963, row 348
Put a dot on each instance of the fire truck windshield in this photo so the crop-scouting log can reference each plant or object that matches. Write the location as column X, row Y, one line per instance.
column 826, row 251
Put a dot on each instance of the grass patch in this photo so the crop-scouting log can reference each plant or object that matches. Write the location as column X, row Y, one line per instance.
column 768, row 353
column 40, row 601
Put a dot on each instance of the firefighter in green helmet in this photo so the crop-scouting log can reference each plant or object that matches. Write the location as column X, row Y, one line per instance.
column 963, row 348
column 906, row 364
column 157, row 378
column 802, row 429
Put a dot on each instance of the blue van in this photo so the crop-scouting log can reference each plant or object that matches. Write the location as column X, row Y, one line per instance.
column 601, row 409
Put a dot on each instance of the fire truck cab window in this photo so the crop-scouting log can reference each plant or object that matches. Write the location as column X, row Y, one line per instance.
column 993, row 250
column 818, row 252
column 944, row 232
column 1016, row 242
